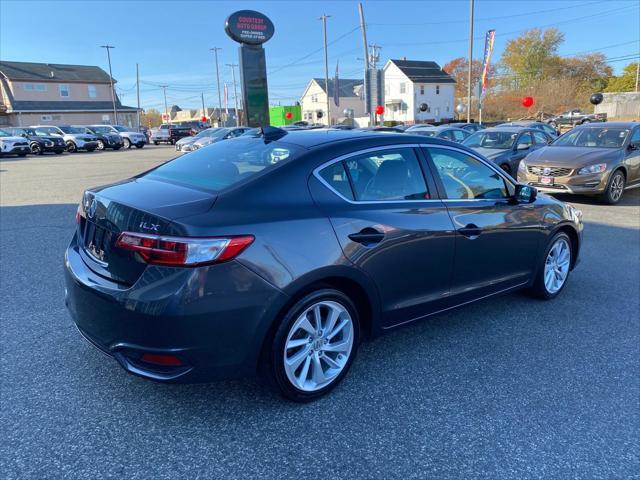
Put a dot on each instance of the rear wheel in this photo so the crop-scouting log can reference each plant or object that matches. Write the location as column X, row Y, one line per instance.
column 554, row 271
column 615, row 188
column 314, row 345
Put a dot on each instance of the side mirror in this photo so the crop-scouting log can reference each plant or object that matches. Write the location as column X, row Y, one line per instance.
column 525, row 194
column 523, row 146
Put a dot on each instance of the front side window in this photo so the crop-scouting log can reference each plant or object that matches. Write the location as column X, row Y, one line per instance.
column 43, row 131
column 64, row 90
column 387, row 175
column 525, row 139
column 92, row 91
column 636, row 136
column 466, row 178
column 540, row 138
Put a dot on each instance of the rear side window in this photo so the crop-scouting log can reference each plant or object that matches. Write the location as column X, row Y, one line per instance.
column 465, row 177
column 221, row 165
column 387, row 175
column 336, row 177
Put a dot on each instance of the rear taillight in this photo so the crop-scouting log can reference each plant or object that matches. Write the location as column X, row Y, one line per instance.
column 183, row 251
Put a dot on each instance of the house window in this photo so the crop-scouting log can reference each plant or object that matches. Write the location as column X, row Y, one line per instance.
column 403, row 87
column 421, row 89
column 41, row 87
column 437, row 89
column 28, row 86
column 314, row 98
column 92, row 91
column 64, row 90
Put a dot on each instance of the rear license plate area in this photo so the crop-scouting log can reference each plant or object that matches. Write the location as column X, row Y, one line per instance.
column 97, row 241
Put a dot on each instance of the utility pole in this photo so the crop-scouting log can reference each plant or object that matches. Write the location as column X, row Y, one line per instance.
column 215, row 52
column 373, row 61
column 326, row 65
column 363, row 28
column 138, row 92
column 235, row 90
column 113, row 93
column 166, row 109
column 204, row 112
column 637, row 73
column 470, row 61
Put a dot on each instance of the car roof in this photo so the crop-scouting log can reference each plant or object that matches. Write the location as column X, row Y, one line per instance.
column 506, row 128
column 608, row 124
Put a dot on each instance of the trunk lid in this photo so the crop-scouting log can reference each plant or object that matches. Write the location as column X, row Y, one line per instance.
column 136, row 205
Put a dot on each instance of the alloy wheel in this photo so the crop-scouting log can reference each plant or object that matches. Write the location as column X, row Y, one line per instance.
column 36, row 149
column 126, row 143
column 617, row 187
column 318, row 345
column 100, row 145
column 556, row 266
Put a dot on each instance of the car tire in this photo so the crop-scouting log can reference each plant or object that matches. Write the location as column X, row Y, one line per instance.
column 299, row 371
column 506, row 167
column 155, row 143
column 36, row 149
column 615, row 188
column 554, row 268
column 71, row 147
column 126, row 143
column 100, row 145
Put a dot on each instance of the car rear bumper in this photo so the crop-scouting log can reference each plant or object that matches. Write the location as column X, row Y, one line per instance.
column 213, row 319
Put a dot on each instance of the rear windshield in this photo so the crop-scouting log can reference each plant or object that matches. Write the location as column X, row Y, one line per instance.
column 226, row 163
column 593, row 137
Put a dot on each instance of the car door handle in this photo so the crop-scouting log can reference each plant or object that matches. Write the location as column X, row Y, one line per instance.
column 367, row 236
column 470, row 231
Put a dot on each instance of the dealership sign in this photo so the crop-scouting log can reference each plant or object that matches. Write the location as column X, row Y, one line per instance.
column 249, row 27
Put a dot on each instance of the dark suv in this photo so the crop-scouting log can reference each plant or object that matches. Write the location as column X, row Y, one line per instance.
column 279, row 252
column 39, row 143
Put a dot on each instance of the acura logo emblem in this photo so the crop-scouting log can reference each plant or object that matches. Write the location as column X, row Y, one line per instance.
column 91, row 211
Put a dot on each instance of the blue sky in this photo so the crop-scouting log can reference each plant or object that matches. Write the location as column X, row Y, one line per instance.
column 171, row 39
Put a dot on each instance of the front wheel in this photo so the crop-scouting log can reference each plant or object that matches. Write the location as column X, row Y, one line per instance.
column 100, row 145
column 554, row 271
column 615, row 189
column 71, row 147
column 126, row 143
column 315, row 345
column 36, row 149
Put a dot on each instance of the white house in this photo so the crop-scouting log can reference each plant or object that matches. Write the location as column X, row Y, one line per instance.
column 417, row 92
column 313, row 103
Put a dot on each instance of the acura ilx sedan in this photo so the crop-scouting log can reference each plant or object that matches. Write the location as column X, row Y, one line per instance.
column 279, row 252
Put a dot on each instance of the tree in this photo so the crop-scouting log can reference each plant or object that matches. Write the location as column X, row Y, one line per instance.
column 151, row 117
column 625, row 82
column 458, row 69
column 532, row 56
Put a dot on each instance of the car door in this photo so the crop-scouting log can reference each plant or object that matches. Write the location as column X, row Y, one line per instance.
column 496, row 238
column 521, row 148
column 391, row 225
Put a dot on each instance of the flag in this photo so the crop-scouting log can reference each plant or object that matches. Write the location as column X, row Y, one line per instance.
column 226, row 99
column 336, row 88
column 488, row 49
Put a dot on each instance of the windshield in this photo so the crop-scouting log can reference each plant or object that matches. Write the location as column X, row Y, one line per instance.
column 493, row 139
column 210, row 132
column 120, row 129
column 223, row 164
column 4, row 134
column 74, row 130
column 593, row 137
column 102, row 129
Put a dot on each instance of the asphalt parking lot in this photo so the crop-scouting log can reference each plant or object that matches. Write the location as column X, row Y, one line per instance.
column 505, row 388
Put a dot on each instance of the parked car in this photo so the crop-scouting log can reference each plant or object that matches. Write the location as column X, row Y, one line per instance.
column 39, row 143
column 186, row 144
column 417, row 125
column 545, row 127
column 443, row 131
column 75, row 138
column 13, row 145
column 506, row 146
column 130, row 137
column 592, row 159
column 576, row 117
column 213, row 265
column 107, row 137
column 218, row 134
column 469, row 127
column 167, row 133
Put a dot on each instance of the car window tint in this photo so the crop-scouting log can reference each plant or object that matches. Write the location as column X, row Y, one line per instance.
column 336, row 177
column 465, row 177
column 540, row 138
column 387, row 175
column 525, row 139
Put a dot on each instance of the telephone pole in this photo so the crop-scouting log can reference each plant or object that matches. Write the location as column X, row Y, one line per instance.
column 215, row 52
column 166, row 109
column 204, row 111
column 363, row 28
column 326, row 65
column 138, row 92
column 113, row 93
column 470, row 61
column 235, row 90
column 374, row 81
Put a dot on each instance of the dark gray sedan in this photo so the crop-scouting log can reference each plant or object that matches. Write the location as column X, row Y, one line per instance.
column 506, row 146
column 280, row 252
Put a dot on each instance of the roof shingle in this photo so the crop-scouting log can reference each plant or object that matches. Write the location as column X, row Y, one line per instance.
column 346, row 86
column 53, row 72
column 420, row 71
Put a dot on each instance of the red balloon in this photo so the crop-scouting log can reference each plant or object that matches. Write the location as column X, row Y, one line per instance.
column 203, row 119
column 527, row 102
column 379, row 110
column 288, row 115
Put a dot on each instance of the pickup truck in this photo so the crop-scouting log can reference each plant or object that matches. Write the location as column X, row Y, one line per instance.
column 167, row 133
column 576, row 117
